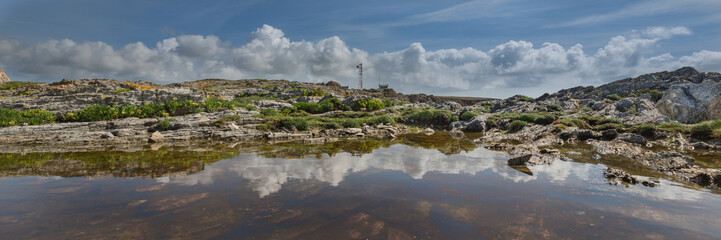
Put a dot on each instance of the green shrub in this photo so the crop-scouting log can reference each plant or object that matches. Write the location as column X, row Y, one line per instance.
column 613, row 97
column 707, row 129
column 226, row 119
column 392, row 102
column 674, row 127
column 572, row 122
column 543, row 119
column 595, row 121
column 526, row 98
column 214, row 104
column 554, row 107
column 432, row 117
column 516, row 125
column 326, row 105
column 384, row 119
column 15, row 85
column 468, row 115
column 308, row 107
column 94, row 113
column 351, row 123
column 269, row 112
column 121, row 90
column 312, row 92
column 606, row 126
column 289, row 122
column 10, row 117
column 164, row 125
column 369, row 104
column 267, row 87
column 490, row 123
column 646, row 130
column 332, row 125
column 655, row 95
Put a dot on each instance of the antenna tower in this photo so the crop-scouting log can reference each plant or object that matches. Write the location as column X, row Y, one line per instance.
column 360, row 73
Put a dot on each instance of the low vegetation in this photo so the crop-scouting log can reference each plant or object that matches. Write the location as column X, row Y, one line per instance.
column 370, row 104
column 31, row 117
column 326, row 105
column 121, row 90
column 613, row 97
column 274, row 120
column 428, row 117
column 317, row 92
column 164, row 124
column 707, row 130
column 516, row 125
column 15, row 85
column 554, row 107
column 468, row 115
column 151, row 110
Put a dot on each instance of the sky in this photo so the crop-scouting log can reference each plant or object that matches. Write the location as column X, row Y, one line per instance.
column 488, row 48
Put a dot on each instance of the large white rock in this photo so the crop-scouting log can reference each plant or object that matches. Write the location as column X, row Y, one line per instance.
column 692, row 103
column 4, row 77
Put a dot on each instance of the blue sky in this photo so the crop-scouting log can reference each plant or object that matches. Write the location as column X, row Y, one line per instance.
column 480, row 48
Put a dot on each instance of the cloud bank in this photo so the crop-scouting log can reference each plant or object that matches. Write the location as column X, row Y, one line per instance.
column 511, row 67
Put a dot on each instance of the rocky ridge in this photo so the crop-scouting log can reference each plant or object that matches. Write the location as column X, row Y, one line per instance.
column 609, row 118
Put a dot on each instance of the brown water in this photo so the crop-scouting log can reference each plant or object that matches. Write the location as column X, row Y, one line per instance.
column 413, row 188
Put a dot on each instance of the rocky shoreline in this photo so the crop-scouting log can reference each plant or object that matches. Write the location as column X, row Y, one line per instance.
column 661, row 120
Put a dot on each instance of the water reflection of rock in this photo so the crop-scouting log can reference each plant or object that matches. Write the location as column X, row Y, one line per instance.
column 75, row 168
column 166, row 162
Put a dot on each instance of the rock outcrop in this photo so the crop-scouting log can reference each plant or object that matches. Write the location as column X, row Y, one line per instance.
column 692, row 102
column 4, row 77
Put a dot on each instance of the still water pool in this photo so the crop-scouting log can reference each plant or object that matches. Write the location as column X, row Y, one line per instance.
column 365, row 189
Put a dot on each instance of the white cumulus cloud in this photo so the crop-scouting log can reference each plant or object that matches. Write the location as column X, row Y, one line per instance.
column 509, row 68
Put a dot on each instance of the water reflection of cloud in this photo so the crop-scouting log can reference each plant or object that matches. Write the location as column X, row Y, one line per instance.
column 267, row 175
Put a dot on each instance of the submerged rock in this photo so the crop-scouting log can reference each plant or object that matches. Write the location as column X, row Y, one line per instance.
column 619, row 177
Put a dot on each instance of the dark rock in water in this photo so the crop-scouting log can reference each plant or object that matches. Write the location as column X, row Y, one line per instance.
column 565, row 135
column 584, row 134
column 609, row 134
column 702, row 145
column 632, row 138
column 522, row 160
column 706, row 180
column 619, row 177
